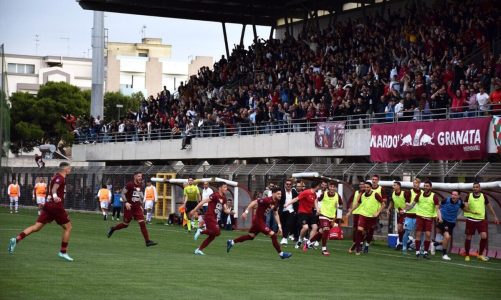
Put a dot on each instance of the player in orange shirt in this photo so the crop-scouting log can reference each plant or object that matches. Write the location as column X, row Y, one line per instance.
column 14, row 192
column 104, row 196
column 39, row 193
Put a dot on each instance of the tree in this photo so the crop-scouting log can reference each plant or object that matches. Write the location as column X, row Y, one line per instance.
column 36, row 119
column 111, row 99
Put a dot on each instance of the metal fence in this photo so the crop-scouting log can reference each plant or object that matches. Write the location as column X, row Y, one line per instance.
column 87, row 135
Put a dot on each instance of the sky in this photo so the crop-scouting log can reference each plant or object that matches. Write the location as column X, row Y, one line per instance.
column 63, row 28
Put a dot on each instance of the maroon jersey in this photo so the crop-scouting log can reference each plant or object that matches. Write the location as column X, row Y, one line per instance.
column 263, row 207
column 60, row 180
column 134, row 193
column 306, row 201
column 215, row 207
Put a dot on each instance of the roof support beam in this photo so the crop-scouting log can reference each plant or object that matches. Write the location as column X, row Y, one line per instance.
column 242, row 35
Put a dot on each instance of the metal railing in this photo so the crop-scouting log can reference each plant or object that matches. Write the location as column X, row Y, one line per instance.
column 361, row 121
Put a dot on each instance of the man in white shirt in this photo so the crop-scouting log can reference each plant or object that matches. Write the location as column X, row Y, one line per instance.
column 399, row 108
column 206, row 192
column 483, row 100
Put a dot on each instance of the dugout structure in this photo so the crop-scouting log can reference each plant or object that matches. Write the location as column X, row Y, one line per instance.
column 165, row 204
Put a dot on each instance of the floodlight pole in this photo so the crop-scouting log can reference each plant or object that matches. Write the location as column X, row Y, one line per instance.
column 225, row 40
column 97, row 95
column 242, row 35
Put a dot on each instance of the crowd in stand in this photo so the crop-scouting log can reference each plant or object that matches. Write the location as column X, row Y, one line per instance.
column 409, row 65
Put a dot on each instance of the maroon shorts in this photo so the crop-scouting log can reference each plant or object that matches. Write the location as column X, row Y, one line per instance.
column 423, row 224
column 259, row 227
column 400, row 219
column 51, row 212
column 324, row 223
column 472, row 226
column 135, row 212
column 366, row 223
column 212, row 227
column 355, row 221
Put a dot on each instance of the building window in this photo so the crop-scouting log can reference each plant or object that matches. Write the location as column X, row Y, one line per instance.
column 21, row 68
column 142, row 54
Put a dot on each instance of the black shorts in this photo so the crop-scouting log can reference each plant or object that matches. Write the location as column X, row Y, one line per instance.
column 305, row 219
column 190, row 205
column 446, row 226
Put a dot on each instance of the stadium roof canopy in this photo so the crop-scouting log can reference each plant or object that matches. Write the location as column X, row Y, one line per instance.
column 257, row 12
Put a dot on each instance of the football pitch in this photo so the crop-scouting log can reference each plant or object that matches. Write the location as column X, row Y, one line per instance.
column 123, row 268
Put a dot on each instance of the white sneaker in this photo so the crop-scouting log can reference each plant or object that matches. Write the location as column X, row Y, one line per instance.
column 65, row 256
column 446, row 257
column 199, row 252
column 283, row 241
column 316, row 244
column 291, row 237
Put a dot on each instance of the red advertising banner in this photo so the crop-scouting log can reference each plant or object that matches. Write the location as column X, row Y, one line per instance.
column 330, row 135
column 462, row 139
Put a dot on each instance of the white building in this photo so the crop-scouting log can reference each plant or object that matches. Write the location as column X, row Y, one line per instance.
column 146, row 67
column 25, row 73
column 130, row 67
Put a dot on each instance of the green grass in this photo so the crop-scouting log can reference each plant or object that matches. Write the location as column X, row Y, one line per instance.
column 123, row 268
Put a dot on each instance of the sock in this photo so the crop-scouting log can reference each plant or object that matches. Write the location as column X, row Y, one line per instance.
column 406, row 239
column 104, row 214
column 483, row 243
column 401, row 236
column 189, row 225
column 325, row 237
column 120, row 226
column 275, row 243
column 281, row 253
column 243, row 238
column 358, row 239
column 418, row 245
column 324, row 248
column 316, row 237
column 467, row 245
column 64, row 246
column 444, row 251
column 144, row 231
column 21, row 236
column 206, row 242
column 370, row 234
column 426, row 245
column 39, row 212
column 354, row 235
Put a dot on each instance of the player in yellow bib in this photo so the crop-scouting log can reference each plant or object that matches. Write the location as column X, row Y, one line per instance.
column 104, row 197
column 330, row 211
column 399, row 198
column 410, row 215
column 150, row 197
column 476, row 221
column 191, row 199
column 371, row 205
column 428, row 207
column 354, row 203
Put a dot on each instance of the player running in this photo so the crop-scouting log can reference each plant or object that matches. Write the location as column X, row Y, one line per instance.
column 331, row 202
column 307, row 201
column 52, row 210
column 262, row 207
column 449, row 208
column 133, row 196
column 399, row 198
column 428, row 208
column 355, row 211
column 476, row 222
column 39, row 193
column 217, row 204
column 371, row 206
column 410, row 214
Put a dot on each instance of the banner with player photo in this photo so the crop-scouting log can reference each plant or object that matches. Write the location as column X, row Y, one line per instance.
column 497, row 132
column 330, row 135
column 462, row 139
